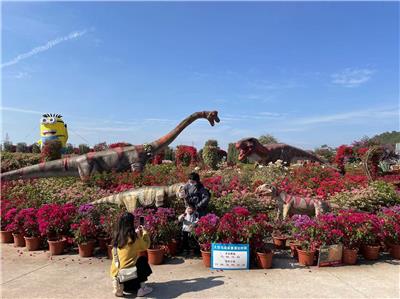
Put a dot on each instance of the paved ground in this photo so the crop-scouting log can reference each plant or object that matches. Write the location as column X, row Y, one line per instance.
column 37, row 275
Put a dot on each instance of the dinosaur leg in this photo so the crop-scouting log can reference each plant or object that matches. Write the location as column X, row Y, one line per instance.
column 286, row 209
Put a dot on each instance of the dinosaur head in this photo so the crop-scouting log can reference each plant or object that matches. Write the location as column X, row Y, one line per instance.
column 246, row 147
column 212, row 117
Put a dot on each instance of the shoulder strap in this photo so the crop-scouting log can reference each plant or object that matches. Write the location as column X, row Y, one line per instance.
column 116, row 259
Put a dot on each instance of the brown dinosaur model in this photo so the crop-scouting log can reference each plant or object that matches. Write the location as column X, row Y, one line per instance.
column 253, row 150
column 116, row 159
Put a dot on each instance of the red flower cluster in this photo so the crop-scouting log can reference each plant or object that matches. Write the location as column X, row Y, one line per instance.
column 54, row 219
column 314, row 180
column 84, row 231
column 26, row 219
column 219, row 188
column 185, row 155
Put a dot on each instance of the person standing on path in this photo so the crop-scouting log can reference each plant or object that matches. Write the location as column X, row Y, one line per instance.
column 196, row 194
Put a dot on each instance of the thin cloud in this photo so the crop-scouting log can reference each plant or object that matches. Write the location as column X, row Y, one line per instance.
column 20, row 110
column 349, row 116
column 352, row 77
column 50, row 44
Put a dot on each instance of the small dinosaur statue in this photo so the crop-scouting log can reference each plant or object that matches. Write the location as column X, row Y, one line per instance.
column 148, row 196
column 294, row 204
column 374, row 156
column 252, row 149
column 116, row 159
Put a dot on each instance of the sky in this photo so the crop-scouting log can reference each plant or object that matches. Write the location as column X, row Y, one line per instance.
column 309, row 73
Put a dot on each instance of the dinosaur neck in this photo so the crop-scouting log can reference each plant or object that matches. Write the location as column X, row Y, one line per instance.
column 167, row 139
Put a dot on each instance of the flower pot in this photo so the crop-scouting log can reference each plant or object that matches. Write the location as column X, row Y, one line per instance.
column 56, row 247
column 371, row 252
column 206, row 256
column 19, row 240
column 293, row 249
column 264, row 259
column 86, row 249
column 395, row 251
column 6, row 237
column 103, row 242
column 32, row 243
column 306, row 257
column 143, row 253
column 109, row 251
column 172, row 248
column 349, row 256
column 279, row 242
column 156, row 256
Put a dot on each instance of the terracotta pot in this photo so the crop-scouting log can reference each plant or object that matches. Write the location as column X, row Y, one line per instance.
column 264, row 259
column 56, row 247
column 279, row 242
column 293, row 249
column 172, row 248
column 143, row 253
column 86, row 249
column 103, row 242
column 6, row 237
column 371, row 252
column 349, row 256
column 19, row 240
column 32, row 243
column 156, row 256
column 109, row 251
column 206, row 256
column 395, row 251
column 306, row 257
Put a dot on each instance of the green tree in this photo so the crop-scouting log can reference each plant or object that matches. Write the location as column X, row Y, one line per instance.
column 35, row 148
column 267, row 139
column 387, row 138
column 233, row 154
column 84, row 149
column 21, row 147
column 210, row 154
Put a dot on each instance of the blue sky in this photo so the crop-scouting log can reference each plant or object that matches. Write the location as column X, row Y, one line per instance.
column 308, row 73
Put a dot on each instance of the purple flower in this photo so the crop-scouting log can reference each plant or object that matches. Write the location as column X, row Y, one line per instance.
column 85, row 208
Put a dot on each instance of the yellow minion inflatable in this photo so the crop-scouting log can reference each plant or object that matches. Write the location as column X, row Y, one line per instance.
column 52, row 127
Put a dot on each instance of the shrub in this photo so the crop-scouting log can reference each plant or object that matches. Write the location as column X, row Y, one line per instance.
column 29, row 222
column 370, row 199
column 233, row 154
column 35, row 148
column 100, row 147
column 185, row 155
column 12, row 161
column 83, row 149
column 21, row 147
column 51, row 150
column 206, row 231
column 54, row 220
column 210, row 154
column 391, row 224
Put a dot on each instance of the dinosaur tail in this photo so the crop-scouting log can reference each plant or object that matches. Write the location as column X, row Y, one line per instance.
column 56, row 168
column 115, row 199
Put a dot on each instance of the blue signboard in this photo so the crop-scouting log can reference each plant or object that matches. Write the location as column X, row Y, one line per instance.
column 230, row 256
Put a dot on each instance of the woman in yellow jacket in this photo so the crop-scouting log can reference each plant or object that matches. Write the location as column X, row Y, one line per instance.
column 130, row 243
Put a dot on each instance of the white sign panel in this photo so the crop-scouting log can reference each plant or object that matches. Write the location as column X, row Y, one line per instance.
column 230, row 256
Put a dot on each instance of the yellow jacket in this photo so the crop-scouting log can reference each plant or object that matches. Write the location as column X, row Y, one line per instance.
column 129, row 254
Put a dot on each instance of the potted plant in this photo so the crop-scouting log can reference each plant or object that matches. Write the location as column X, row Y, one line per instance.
column 371, row 235
column 5, row 235
column 349, row 223
column 30, row 228
column 307, row 234
column 259, row 233
column 54, row 222
column 84, row 235
column 156, row 224
column 15, row 226
column 206, row 233
column 280, row 233
column 391, row 229
column 108, row 216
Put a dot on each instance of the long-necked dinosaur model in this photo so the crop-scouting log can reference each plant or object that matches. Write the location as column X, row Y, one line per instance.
column 148, row 196
column 117, row 159
column 252, row 149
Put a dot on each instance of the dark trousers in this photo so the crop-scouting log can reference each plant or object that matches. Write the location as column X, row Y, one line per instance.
column 143, row 271
column 188, row 241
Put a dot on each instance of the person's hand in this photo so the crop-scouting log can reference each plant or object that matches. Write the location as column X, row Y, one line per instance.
column 139, row 231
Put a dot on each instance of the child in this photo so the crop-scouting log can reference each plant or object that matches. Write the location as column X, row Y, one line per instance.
column 189, row 220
